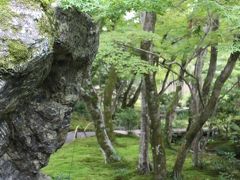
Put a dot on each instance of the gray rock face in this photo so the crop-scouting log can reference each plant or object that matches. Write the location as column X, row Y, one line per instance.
column 45, row 56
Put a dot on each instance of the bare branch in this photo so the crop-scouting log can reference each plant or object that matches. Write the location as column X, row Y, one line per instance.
column 229, row 90
column 164, row 82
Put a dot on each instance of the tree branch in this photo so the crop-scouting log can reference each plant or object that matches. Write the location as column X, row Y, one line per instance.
column 229, row 90
column 164, row 82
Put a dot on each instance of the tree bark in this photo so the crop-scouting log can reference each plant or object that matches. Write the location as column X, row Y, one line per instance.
column 205, row 113
column 196, row 150
column 143, row 162
column 107, row 102
column 90, row 98
column 158, row 150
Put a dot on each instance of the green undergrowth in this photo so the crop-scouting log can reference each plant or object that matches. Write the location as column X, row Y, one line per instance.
column 82, row 160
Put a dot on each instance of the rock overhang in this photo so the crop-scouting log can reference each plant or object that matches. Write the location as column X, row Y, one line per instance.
column 52, row 51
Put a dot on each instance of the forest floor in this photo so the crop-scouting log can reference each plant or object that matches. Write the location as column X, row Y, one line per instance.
column 83, row 160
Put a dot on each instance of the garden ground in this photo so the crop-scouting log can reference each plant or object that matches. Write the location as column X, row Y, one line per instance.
column 83, row 160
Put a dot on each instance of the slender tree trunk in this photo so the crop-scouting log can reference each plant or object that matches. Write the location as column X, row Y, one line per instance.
column 197, row 105
column 126, row 93
column 132, row 101
column 117, row 99
column 204, row 91
column 171, row 115
column 171, row 111
column 205, row 113
column 156, row 139
column 107, row 102
column 90, row 98
column 143, row 162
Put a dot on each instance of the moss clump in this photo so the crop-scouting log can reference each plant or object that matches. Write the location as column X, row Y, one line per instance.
column 44, row 26
column 18, row 52
column 5, row 13
column 3, row 3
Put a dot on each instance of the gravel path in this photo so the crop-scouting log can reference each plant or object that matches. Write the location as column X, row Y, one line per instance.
column 70, row 135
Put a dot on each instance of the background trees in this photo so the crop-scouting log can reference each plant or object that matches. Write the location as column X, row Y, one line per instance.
column 147, row 46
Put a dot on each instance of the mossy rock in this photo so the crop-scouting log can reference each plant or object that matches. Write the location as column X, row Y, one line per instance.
column 25, row 31
column 19, row 51
column 42, row 75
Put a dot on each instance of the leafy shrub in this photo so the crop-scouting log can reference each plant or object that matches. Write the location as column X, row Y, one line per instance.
column 81, row 109
column 127, row 118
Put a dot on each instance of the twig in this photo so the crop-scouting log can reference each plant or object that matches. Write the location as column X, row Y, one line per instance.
column 229, row 90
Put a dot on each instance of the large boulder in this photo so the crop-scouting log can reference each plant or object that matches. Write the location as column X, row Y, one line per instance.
column 45, row 56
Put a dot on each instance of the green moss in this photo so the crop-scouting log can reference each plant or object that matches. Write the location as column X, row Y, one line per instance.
column 82, row 159
column 3, row 3
column 5, row 13
column 45, row 27
column 18, row 52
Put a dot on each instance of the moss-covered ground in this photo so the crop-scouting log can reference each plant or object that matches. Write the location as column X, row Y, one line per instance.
column 82, row 160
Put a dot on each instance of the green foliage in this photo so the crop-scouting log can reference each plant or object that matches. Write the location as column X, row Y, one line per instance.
column 81, row 109
column 125, row 61
column 229, row 105
column 127, row 118
column 165, row 99
column 226, row 111
column 114, row 9
column 227, row 166
column 80, row 118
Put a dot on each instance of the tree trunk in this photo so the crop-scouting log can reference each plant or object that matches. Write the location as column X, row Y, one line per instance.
column 196, row 150
column 171, row 111
column 196, row 105
column 205, row 113
column 133, row 100
column 90, row 98
column 204, row 91
column 107, row 102
column 126, row 93
column 158, row 151
column 143, row 162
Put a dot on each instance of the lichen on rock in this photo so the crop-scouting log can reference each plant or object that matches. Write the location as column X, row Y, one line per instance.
column 20, row 30
column 18, row 52
column 45, row 55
